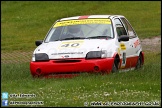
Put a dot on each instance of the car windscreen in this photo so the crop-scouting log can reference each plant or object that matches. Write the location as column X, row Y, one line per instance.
column 80, row 29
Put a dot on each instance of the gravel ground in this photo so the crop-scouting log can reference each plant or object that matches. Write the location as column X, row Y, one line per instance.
column 148, row 44
column 151, row 44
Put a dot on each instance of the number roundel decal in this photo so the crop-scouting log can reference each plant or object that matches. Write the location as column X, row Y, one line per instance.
column 71, row 44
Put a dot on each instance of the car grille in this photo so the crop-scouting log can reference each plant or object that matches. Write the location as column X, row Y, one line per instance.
column 67, row 61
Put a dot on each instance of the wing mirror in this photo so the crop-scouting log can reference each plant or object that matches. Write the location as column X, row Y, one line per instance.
column 38, row 42
column 123, row 38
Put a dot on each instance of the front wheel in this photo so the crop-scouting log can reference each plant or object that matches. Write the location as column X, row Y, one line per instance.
column 139, row 62
column 115, row 65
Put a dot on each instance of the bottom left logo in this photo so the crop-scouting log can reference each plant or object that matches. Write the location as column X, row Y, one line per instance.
column 4, row 102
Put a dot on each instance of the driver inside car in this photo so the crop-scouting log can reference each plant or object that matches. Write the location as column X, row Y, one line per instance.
column 74, row 31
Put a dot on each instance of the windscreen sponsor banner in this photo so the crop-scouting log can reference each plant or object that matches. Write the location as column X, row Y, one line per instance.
column 83, row 21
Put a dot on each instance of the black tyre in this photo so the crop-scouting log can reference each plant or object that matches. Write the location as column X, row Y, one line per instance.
column 115, row 65
column 139, row 62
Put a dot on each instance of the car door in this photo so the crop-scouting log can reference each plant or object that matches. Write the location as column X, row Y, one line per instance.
column 124, row 46
column 133, row 42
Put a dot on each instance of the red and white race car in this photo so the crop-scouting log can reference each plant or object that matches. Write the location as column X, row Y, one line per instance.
column 92, row 43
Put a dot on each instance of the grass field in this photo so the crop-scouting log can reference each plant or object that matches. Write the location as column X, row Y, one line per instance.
column 20, row 27
column 133, row 86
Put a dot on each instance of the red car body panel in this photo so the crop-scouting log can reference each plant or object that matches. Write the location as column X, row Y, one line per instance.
column 71, row 66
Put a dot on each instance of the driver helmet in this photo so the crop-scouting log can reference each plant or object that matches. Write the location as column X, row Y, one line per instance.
column 74, row 29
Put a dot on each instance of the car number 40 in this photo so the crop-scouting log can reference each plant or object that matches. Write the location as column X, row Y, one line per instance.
column 70, row 45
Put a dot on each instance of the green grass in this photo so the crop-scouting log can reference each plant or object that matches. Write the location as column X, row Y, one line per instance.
column 20, row 27
column 133, row 86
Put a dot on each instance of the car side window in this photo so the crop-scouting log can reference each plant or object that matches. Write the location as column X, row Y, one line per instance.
column 119, row 27
column 129, row 28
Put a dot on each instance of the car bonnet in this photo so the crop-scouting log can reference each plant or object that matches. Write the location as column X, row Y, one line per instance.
column 73, row 48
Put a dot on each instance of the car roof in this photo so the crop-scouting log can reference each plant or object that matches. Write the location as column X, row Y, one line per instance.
column 90, row 16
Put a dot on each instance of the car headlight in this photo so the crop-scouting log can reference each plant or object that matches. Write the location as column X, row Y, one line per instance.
column 40, row 57
column 96, row 54
column 33, row 57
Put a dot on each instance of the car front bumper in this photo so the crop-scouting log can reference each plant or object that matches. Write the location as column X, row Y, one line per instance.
column 71, row 66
